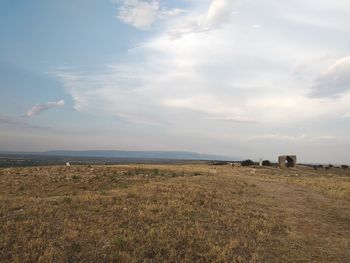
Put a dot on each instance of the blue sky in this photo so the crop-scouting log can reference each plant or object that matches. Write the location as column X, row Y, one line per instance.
column 239, row 78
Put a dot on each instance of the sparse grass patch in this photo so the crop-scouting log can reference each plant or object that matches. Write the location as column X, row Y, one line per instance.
column 156, row 171
column 337, row 187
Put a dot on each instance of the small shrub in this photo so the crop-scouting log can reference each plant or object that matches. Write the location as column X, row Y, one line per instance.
column 76, row 177
column 67, row 200
column 344, row 166
column 173, row 174
column 138, row 171
column 247, row 162
column 119, row 242
column 266, row 163
column 75, row 247
column 219, row 163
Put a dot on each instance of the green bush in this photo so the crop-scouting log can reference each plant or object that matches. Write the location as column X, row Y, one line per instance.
column 266, row 163
column 247, row 162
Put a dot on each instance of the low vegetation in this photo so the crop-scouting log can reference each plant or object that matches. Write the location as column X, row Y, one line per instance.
column 247, row 162
column 173, row 213
column 266, row 163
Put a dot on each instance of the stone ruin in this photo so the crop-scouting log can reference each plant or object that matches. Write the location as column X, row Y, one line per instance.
column 287, row 161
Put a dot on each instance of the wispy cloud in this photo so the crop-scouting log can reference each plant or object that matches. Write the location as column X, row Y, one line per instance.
column 42, row 107
column 4, row 120
column 334, row 81
column 234, row 119
column 218, row 14
column 282, row 137
column 20, row 123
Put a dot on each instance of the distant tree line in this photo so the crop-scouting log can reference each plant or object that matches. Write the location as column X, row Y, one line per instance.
column 249, row 162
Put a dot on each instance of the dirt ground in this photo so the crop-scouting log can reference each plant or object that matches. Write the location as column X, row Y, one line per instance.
column 174, row 213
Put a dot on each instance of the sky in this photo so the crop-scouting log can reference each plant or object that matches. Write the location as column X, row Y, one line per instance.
column 240, row 78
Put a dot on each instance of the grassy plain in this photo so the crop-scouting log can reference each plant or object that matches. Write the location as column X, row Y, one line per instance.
column 174, row 213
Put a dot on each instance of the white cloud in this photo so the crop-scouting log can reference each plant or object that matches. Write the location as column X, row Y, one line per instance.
column 42, row 107
column 142, row 14
column 214, row 75
column 171, row 13
column 234, row 119
column 219, row 12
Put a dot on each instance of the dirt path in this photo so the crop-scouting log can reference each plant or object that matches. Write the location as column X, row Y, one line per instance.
column 319, row 225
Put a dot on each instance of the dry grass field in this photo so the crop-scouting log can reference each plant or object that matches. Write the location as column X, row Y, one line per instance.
column 174, row 213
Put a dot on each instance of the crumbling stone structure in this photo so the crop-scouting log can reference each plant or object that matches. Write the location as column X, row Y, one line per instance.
column 287, row 161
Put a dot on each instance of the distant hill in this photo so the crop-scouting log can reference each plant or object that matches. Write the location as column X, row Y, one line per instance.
column 170, row 155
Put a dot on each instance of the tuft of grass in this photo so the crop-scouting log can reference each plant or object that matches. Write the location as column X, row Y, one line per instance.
column 75, row 247
column 76, row 177
column 120, row 243
column 67, row 200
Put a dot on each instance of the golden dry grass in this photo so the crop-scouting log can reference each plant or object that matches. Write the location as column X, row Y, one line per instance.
column 333, row 183
column 170, row 213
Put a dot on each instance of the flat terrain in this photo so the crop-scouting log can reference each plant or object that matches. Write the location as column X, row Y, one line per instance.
column 174, row 213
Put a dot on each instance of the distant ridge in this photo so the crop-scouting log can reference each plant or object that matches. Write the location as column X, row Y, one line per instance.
column 170, row 155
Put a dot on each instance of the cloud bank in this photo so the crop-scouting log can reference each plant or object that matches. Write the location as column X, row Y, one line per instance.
column 209, row 71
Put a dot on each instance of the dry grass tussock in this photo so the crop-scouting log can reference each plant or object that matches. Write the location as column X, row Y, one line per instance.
column 149, row 213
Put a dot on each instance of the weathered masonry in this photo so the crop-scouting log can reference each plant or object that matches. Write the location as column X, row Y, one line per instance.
column 287, row 161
